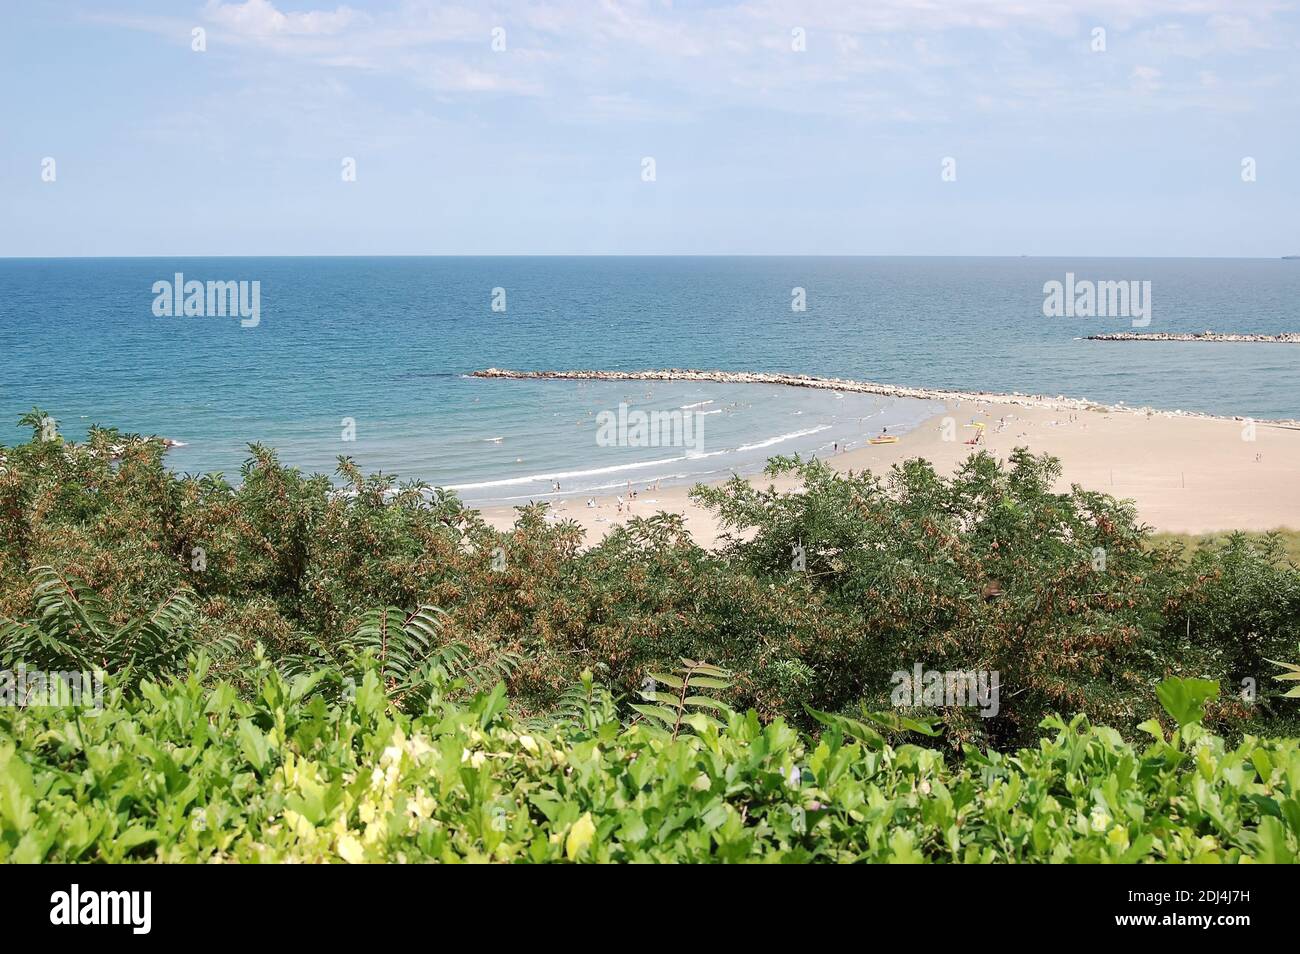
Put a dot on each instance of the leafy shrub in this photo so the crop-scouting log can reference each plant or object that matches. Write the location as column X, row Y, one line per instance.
column 188, row 771
column 986, row 570
column 687, row 703
column 414, row 662
column 72, row 631
column 990, row 570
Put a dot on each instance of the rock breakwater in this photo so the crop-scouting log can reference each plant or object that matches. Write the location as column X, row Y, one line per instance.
column 844, row 384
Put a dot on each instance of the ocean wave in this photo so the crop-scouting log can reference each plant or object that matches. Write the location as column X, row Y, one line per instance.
column 571, row 475
column 563, row 475
column 784, row 437
column 687, row 407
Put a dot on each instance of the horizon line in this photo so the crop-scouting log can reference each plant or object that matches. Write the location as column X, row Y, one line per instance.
column 46, row 258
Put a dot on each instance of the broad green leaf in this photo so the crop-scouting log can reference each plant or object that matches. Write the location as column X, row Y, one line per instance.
column 660, row 713
column 579, row 837
column 663, row 678
column 1184, row 699
column 1272, row 841
column 708, row 703
column 254, row 745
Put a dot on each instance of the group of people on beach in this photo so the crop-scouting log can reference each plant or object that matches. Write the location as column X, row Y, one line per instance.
column 620, row 501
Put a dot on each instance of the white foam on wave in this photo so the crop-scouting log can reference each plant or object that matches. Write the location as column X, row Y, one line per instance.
column 784, row 437
column 636, row 465
column 687, row 407
column 563, row 475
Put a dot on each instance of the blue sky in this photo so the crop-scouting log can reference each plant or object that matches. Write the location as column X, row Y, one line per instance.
column 759, row 148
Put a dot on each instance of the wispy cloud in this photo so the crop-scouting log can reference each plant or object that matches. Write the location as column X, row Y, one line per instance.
column 608, row 59
column 477, row 117
column 260, row 19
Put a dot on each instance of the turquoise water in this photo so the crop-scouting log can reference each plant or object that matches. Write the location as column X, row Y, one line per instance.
column 387, row 342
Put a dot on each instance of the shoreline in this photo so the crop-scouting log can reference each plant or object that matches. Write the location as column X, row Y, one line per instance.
column 1186, row 472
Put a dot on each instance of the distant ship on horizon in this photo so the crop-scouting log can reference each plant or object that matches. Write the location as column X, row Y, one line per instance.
column 1288, row 257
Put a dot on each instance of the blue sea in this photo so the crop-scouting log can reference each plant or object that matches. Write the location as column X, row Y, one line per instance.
column 379, row 350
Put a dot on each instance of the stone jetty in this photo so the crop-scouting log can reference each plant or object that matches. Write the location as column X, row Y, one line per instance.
column 844, row 384
column 1290, row 337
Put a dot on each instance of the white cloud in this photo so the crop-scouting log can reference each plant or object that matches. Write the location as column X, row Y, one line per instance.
column 1146, row 78
column 921, row 59
column 260, row 18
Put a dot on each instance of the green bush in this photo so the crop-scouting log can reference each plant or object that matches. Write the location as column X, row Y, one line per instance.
column 186, row 770
column 988, row 570
column 1062, row 594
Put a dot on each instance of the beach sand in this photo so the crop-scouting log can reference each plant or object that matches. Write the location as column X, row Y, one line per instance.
column 1185, row 474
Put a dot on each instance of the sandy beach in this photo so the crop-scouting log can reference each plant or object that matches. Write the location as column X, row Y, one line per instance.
column 1186, row 473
